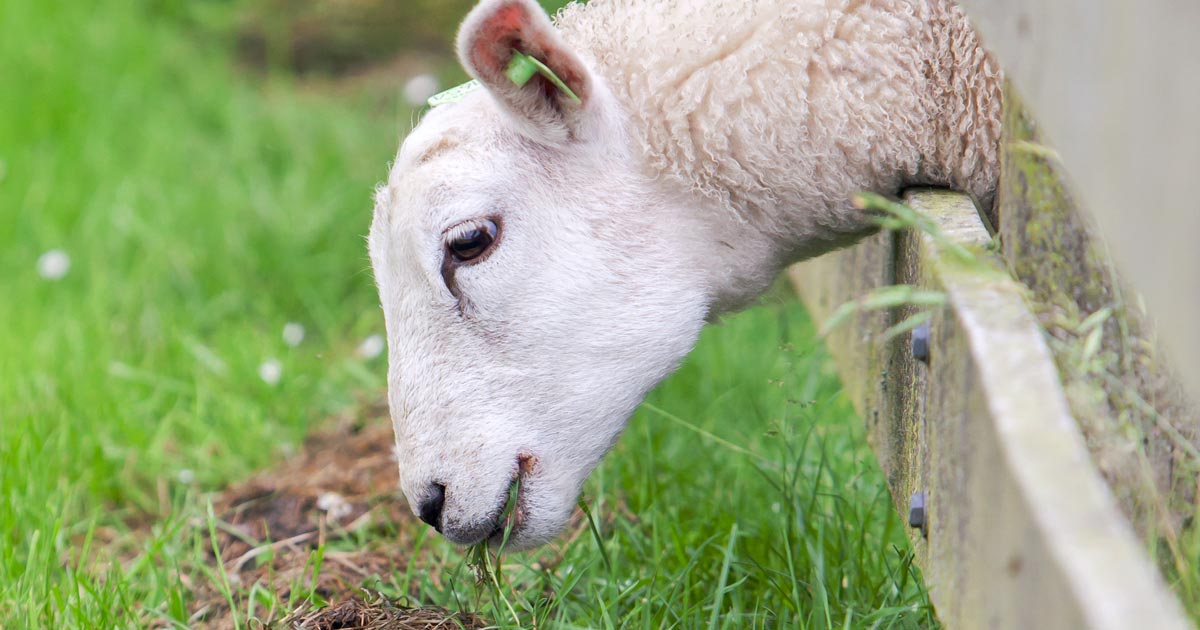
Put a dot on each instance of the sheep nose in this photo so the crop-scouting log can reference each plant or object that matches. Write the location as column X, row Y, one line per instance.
column 430, row 508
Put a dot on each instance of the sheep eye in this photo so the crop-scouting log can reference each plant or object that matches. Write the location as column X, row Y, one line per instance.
column 469, row 241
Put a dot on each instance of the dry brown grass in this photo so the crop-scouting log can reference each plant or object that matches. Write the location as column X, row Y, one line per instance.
column 382, row 614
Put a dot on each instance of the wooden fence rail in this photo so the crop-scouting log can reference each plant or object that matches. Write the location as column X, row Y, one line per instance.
column 1018, row 528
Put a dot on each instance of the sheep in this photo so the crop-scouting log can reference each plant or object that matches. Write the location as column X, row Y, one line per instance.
column 547, row 251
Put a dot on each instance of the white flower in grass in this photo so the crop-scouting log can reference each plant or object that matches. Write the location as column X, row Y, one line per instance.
column 54, row 264
column 419, row 88
column 293, row 334
column 270, row 371
column 371, row 347
column 335, row 505
column 186, row 476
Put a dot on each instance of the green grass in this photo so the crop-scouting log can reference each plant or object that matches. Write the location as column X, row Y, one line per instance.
column 202, row 209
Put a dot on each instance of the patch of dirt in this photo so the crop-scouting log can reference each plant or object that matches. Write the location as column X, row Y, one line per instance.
column 343, row 480
column 341, row 486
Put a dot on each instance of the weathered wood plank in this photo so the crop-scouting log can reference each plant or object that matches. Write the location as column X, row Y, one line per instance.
column 1022, row 532
column 1138, row 424
column 1116, row 85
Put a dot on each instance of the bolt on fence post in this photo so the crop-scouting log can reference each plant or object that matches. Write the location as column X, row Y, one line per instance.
column 920, row 343
column 917, row 515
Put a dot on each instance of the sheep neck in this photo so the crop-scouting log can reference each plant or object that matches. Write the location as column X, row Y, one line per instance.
column 771, row 115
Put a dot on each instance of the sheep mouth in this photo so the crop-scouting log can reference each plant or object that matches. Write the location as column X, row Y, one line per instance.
column 515, row 510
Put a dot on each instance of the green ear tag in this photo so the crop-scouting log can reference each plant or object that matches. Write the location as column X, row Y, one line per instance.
column 520, row 70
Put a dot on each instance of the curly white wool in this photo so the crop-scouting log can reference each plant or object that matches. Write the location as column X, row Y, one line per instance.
column 782, row 110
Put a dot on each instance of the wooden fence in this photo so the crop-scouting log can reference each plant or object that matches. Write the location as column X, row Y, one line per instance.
column 1033, row 499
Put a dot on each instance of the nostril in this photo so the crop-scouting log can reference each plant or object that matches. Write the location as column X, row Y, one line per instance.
column 430, row 509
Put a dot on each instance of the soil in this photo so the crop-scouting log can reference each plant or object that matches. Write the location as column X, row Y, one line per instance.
column 341, row 485
column 343, row 479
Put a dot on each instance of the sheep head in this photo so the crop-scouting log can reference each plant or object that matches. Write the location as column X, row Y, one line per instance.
column 536, row 283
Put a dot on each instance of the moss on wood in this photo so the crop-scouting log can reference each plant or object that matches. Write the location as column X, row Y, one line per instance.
column 1140, row 428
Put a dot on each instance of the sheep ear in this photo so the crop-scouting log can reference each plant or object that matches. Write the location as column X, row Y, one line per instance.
column 511, row 47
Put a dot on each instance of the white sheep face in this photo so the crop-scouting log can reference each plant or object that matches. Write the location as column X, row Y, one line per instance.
column 526, row 356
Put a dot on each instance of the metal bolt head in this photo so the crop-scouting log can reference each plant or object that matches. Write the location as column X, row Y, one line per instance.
column 916, row 511
column 920, row 343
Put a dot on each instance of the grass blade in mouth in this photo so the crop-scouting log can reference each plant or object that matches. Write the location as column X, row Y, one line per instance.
column 511, row 514
column 480, row 559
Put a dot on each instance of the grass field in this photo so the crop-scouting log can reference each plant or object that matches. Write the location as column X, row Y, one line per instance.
column 202, row 208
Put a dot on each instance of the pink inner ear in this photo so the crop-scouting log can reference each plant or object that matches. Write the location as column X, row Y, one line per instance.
column 510, row 26
column 496, row 36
